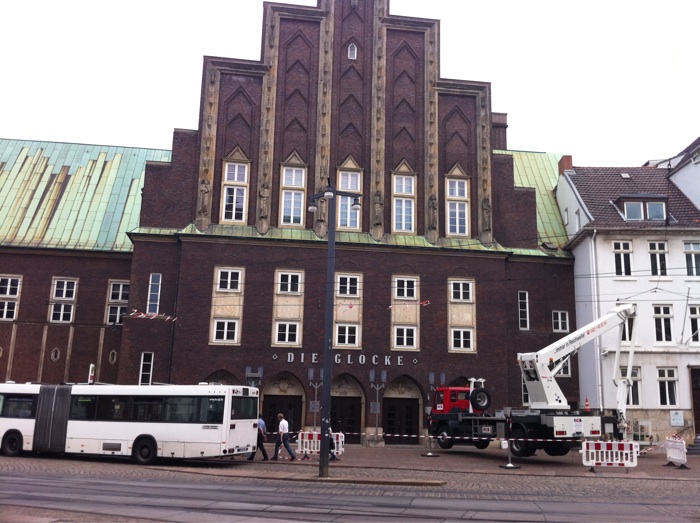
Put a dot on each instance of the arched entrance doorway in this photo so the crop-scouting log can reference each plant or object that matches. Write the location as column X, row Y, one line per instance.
column 283, row 393
column 224, row 377
column 347, row 402
column 401, row 412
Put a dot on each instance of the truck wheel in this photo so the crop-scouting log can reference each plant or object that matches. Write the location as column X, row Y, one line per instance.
column 444, row 438
column 12, row 444
column 556, row 449
column 145, row 451
column 480, row 399
column 520, row 448
column 481, row 444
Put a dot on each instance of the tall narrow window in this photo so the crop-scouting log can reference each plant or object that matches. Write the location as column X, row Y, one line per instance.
column 352, row 52
column 146, row 373
column 627, row 330
column 560, row 321
column 457, row 207
column 523, row 311
column 348, row 218
column 235, row 192
column 404, row 203
column 293, row 196
column 662, row 323
column 9, row 297
column 692, row 258
column 154, row 284
column 694, row 313
column 117, row 302
column 657, row 258
column 667, row 386
column 623, row 258
column 633, row 391
column 63, row 300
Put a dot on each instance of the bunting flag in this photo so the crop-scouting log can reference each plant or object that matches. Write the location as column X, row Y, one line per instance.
column 151, row 316
column 405, row 304
column 347, row 306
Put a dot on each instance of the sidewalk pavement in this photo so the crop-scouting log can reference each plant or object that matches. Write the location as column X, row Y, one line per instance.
column 417, row 465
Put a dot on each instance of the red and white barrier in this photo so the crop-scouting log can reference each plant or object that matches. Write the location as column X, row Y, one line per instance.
column 610, row 453
column 676, row 452
column 310, row 443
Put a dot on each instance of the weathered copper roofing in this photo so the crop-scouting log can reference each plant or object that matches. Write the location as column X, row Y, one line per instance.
column 541, row 172
column 71, row 196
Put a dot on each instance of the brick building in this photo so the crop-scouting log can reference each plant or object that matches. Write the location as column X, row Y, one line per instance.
column 451, row 266
column 431, row 274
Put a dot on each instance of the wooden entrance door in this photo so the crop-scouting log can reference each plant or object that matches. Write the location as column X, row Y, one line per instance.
column 290, row 406
column 346, row 417
column 401, row 421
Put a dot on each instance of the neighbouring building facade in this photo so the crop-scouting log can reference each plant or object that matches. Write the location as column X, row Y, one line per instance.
column 452, row 265
column 636, row 239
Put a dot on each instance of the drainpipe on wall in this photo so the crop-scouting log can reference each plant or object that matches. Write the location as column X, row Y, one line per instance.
column 596, row 314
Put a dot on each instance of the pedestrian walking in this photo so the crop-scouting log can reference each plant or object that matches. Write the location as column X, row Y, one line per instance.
column 262, row 438
column 283, row 438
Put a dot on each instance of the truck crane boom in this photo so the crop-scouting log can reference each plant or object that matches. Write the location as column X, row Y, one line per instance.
column 540, row 368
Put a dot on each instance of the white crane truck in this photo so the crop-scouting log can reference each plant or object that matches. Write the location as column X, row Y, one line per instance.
column 459, row 414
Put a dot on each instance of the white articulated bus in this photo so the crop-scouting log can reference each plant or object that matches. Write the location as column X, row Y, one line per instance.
column 142, row 421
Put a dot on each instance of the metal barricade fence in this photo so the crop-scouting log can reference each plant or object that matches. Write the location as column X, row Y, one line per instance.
column 676, row 451
column 310, row 443
column 610, row 453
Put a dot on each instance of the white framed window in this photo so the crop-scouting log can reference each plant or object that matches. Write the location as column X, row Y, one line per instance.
column 154, row 284
column 657, row 258
column 287, row 332
column 235, row 192
column 634, row 211
column 348, row 285
column 565, row 371
column 656, row 210
column 633, row 391
column 347, row 335
column 622, row 251
column 462, row 339
column 293, row 196
column 692, row 258
column 523, row 311
column 352, row 52
column 405, row 337
column 405, row 288
column 668, row 380
column 228, row 280
column 146, row 372
column 404, row 203
column 457, row 207
column 349, row 218
column 63, row 298
column 117, row 302
column 627, row 330
column 560, row 321
column 461, row 291
column 694, row 314
column 226, row 330
column 662, row 323
column 289, row 282
column 9, row 297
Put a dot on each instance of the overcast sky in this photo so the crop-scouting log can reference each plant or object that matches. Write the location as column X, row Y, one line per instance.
column 612, row 83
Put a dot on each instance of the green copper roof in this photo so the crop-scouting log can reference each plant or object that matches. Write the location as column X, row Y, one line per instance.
column 71, row 196
column 541, row 171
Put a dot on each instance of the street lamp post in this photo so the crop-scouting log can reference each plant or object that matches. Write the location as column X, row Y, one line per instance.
column 329, row 195
column 377, row 386
column 315, row 385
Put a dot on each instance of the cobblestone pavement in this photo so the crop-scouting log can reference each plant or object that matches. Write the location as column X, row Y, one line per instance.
column 460, row 473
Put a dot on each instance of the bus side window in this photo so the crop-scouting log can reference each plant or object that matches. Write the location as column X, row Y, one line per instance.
column 17, row 406
column 215, row 409
column 83, row 407
column 112, row 408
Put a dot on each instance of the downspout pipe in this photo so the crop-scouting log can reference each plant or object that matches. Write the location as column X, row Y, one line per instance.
column 596, row 314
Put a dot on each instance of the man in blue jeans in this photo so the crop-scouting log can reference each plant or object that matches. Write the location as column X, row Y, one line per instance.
column 283, row 438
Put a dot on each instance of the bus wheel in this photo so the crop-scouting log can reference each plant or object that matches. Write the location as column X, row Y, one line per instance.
column 12, row 444
column 145, row 452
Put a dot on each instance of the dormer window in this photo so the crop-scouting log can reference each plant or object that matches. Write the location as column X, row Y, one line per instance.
column 644, row 207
